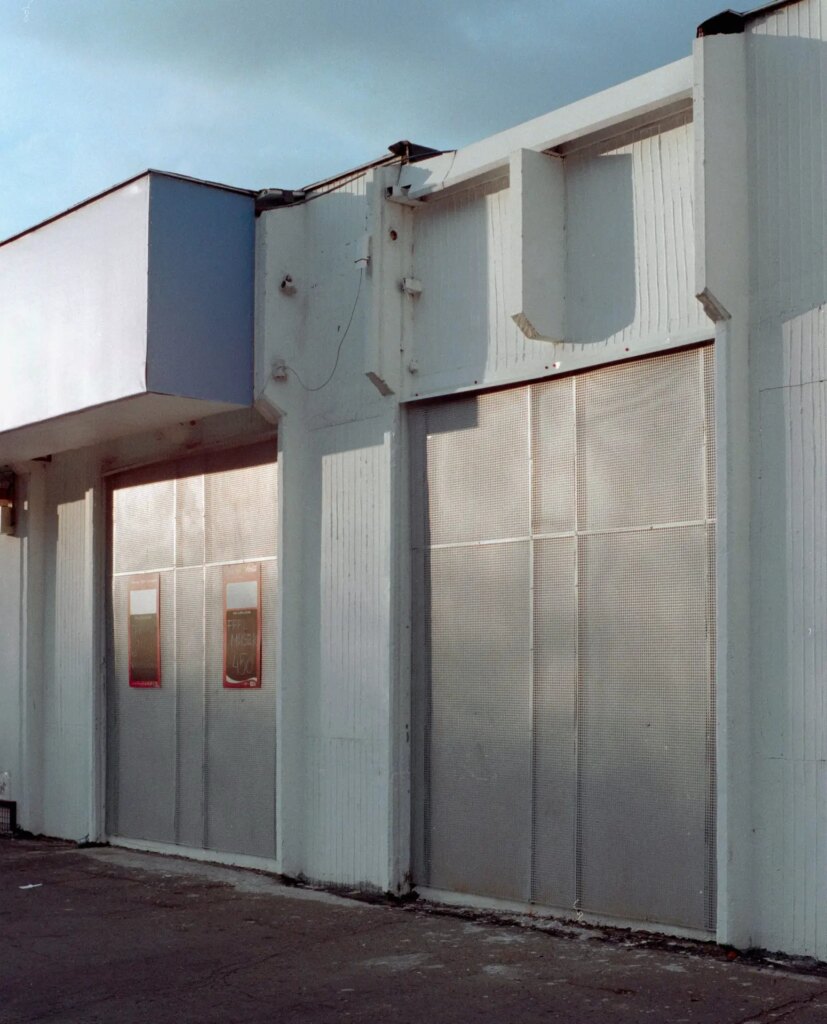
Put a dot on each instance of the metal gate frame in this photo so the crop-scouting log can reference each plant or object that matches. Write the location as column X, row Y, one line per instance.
column 258, row 449
column 421, row 629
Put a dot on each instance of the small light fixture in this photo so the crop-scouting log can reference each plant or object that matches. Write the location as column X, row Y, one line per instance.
column 8, row 506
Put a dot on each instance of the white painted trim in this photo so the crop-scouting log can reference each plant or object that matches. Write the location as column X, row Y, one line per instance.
column 236, row 860
column 634, row 98
column 97, row 583
column 684, row 339
column 400, row 848
column 572, row 917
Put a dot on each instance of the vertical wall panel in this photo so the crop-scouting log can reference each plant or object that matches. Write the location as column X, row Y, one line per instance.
column 644, row 696
column 70, row 662
column 792, row 658
column 480, row 739
column 240, row 738
column 476, row 479
column 553, row 455
column 348, row 740
column 189, row 686
column 142, row 723
column 636, row 424
column 189, row 520
column 555, row 722
column 144, row 527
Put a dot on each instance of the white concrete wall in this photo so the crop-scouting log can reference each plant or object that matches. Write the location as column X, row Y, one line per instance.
column 348, row 685
column 722, row 266
column 49, row 661
column 337, row 354
column 74, row 301
column 786, row 54
column 340, row 591
column 71, row 654
column 344, row 714
column 52, row 615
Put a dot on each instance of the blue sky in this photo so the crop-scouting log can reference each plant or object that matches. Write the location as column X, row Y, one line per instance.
column 264, row 93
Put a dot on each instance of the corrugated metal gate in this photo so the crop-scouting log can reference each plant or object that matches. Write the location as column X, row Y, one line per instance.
column 192, row 761
column 564, row 537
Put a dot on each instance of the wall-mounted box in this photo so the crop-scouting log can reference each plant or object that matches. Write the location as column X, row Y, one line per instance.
column 141, row 297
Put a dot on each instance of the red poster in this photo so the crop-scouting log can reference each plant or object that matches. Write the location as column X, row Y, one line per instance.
column 242, row 627
column 144, row 629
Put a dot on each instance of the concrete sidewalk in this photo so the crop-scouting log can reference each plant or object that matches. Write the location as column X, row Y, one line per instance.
column 109, row 935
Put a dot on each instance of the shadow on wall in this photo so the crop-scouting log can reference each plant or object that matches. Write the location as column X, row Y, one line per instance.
column 459, row 321
column 601, row 272
column 787, row 191
column 786, row 175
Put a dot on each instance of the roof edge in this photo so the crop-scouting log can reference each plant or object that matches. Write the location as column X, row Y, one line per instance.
column 149, row 172
column 402, row 152
column 645, row 94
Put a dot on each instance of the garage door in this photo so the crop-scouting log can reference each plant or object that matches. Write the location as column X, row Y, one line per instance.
column 191, row 679
column 564, row 654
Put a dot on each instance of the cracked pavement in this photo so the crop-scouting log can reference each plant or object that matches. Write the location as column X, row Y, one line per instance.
column 112, row 935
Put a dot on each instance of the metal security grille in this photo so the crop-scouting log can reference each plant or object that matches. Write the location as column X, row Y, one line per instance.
column 192, row 762
column 563, row 537
column 8, row 817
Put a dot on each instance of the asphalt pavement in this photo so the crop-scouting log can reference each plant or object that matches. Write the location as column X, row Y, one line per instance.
column 104, row 934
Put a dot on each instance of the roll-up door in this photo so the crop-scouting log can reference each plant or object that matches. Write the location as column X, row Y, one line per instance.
column 563, row 537
column 191, row 678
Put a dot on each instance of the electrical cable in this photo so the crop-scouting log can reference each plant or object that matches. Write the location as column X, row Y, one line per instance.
column 341, row 343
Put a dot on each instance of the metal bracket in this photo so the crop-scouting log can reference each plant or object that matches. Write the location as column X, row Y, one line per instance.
column 411, row 286
column 399, row 194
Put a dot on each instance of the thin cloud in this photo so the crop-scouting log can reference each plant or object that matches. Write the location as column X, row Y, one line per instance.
column 260, row 93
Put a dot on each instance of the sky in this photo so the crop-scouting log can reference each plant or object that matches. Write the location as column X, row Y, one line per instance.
column 281, row 93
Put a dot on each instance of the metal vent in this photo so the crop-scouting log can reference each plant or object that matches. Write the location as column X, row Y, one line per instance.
column 564, row 660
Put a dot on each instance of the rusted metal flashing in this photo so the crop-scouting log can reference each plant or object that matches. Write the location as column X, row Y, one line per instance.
column 411, row 152
column 274, row 198
column 403, row 152
column 727, row 23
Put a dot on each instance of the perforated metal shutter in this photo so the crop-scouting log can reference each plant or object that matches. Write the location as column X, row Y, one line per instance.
column 564, row 618
column 193, row 763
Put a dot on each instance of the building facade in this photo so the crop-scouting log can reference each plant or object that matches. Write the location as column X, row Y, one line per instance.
column 453, row 524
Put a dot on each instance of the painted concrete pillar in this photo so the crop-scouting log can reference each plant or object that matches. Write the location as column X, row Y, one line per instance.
column 722, row 285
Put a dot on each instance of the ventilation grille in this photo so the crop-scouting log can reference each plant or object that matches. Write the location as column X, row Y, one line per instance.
column 564, row 660
column 8, row 817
